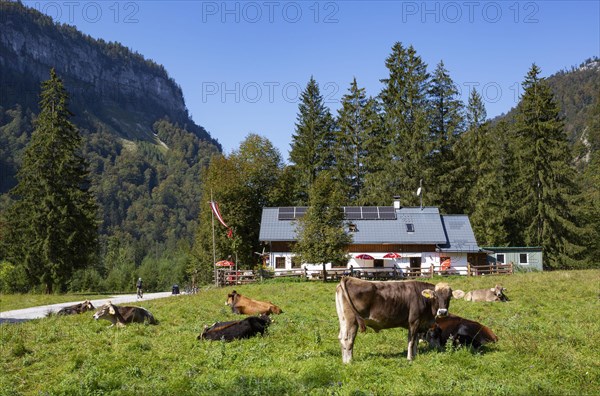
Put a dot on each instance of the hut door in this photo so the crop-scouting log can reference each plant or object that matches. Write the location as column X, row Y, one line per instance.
column 415, row 265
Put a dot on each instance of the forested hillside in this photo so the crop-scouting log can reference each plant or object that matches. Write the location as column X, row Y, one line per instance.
column 527, row 179
column 145, row 152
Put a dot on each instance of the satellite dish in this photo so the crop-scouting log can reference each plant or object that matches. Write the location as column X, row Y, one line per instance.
column 418, row 191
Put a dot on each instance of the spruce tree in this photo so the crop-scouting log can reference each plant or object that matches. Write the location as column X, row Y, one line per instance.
column 404, row 103
column 321, row 237
column 312, row 143
column 53, row 225
column 445, row 126
column 546, row 179
column 356, row 150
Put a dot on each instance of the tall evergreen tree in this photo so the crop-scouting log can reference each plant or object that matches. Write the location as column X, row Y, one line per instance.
column 312, row 143
column 445, row 126
column 53, row 225
column 321, row 237
column 404, row 103
column 356, row 151
column 546, row 176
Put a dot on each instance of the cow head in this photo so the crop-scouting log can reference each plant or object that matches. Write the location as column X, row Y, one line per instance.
column 87, row 306
column 440, row 298
column 109, row 312
column 232, row 298
column 498, row 291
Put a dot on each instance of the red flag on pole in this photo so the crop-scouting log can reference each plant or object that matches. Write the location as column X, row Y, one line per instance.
column 215, row 209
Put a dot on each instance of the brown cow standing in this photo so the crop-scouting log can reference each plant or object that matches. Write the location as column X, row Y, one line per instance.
column 121, row 315
column 461, row 331
column 247, row 306
column 76, row 309
column 412, row 305
column 487, row 295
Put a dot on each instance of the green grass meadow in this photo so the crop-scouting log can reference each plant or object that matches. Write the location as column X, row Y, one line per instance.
column 549, row 344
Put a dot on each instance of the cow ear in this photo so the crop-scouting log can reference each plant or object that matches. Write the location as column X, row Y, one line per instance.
column 111, row 310
column 428, row 293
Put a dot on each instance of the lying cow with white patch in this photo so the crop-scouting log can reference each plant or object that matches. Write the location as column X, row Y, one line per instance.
column 76, row 309
column 235, row 330
column 459, row 331
column 122, row 315
column 383, row 305
column 247, row 306
column 493, row 294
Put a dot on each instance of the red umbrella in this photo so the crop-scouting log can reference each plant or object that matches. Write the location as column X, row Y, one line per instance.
column 392, row 255
column 364, row 257
column 225, row 263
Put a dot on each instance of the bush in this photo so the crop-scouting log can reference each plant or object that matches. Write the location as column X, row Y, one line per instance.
column 87, row 280
column 13, row 279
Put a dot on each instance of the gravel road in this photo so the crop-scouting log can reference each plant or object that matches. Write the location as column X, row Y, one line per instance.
column 21, row 315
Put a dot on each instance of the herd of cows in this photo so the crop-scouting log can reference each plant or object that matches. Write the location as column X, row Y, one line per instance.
column 420, row 307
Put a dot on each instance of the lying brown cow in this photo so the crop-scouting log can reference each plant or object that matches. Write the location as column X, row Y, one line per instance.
column 246, row 306
column 488, row 295
column 235, row 330
column 121, row 315
column 76, row 309
column 460, row 331
column 384, row 305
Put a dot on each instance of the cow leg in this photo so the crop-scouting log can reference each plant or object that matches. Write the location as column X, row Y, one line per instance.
column 348, row 327
column 413, row 332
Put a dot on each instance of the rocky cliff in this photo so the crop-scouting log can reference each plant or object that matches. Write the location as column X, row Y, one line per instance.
column 108, row 83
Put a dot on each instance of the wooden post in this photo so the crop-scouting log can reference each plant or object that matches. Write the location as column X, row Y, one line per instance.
column 468, row 269
column 431, row 271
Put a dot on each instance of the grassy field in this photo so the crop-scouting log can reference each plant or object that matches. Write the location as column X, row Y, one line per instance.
column 549, row 344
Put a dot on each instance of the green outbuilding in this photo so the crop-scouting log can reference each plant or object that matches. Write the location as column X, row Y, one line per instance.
column 524, row 258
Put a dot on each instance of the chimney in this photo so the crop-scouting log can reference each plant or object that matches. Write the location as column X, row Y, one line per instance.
column 396, row 202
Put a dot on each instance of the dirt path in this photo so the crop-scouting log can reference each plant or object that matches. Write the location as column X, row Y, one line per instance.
column 21, row 315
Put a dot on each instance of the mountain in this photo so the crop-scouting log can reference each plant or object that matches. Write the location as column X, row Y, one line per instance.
column 576, row 90
column 145, row 152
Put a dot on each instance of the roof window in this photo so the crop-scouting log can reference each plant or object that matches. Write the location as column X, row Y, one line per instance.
column 410, row 227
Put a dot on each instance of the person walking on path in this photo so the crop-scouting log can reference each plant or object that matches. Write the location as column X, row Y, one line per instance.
column 139, row 285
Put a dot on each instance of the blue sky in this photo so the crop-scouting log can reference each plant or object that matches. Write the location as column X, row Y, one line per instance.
column 242, row 65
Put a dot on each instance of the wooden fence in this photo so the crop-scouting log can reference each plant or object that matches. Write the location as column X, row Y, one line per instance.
column 491, row 269
column 228, row 277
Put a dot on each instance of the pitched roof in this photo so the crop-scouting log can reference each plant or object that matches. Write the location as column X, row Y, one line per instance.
column 459, row 233
column 426, row 223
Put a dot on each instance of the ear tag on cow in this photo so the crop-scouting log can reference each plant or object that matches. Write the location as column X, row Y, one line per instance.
column 427, row 293
column 493, row 289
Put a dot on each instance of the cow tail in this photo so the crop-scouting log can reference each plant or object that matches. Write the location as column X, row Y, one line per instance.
column 359, row 318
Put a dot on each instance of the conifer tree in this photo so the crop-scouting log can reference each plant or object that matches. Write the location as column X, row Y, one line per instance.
column 404, row 103
column 53, row 225
column 321, row 237
column 445, row 126
column 312, row 143
column 545, row 183
column 356, row 151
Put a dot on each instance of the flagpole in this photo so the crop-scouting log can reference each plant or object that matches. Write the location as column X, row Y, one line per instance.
column 213, row 240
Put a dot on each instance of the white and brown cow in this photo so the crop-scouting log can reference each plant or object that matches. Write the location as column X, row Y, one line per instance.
column 246, row 306
column 381, row 305
column 493, row 294
column 122, row 315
